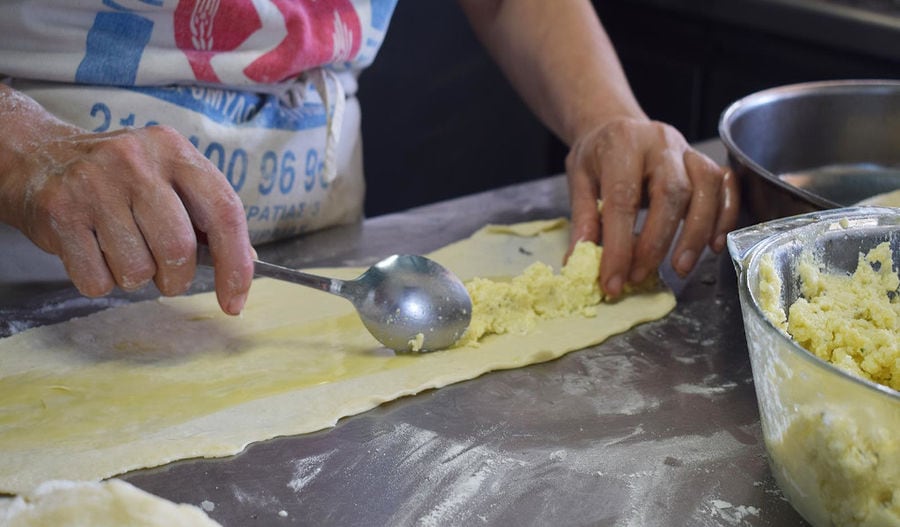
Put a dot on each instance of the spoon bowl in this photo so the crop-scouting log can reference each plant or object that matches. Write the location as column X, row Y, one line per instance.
column 411, row 303
column 407, row 302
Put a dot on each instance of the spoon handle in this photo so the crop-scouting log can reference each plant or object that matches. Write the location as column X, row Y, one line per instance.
column 260, row 268
column 329, row 285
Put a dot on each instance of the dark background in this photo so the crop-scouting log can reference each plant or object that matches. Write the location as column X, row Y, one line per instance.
column 439, row 119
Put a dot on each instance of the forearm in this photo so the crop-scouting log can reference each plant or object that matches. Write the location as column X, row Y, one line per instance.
column 558, row 57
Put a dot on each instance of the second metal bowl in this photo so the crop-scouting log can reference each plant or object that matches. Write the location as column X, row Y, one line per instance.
column 814, row 146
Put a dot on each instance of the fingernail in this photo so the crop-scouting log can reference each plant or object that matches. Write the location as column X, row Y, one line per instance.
column 237, row 304
column 638, row 275
column 719, row 243
column 685, row 262
column 614, row 286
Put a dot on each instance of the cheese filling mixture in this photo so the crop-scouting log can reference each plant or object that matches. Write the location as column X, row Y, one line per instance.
column 516, row 305
column 839, row 459
column 850, row 321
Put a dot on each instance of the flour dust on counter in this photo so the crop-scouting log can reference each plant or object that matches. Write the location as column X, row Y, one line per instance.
column 711, row 386
column 615, row 367
column 737, row 515
column 477, row 477
column 488, row 472
column 306, row 469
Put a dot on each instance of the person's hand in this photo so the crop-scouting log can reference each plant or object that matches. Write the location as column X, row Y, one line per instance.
column 630, row 161
column 123, row 208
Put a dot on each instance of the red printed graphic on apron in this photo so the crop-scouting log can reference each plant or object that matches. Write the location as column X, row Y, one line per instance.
column 288, row 36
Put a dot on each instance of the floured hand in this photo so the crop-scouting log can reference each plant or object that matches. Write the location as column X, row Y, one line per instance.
column 122, row 207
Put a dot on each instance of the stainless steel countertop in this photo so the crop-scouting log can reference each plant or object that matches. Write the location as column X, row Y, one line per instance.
column 655, row 427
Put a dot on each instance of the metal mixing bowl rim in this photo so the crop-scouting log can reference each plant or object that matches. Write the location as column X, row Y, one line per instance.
column 789, row 91
column 757, row 252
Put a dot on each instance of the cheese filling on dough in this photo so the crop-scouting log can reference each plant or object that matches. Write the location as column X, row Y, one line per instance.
column 515, row 306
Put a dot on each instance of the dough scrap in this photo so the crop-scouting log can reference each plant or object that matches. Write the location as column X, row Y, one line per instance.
column 113, row 503
column 98, row 396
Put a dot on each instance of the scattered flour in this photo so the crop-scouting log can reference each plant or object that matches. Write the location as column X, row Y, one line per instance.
column 305, row 470
column 558, row 455
column 258, row 499
column 599, row 373
column 467, row 480
column 711, row 386
column 686, row 360
column 736, row 515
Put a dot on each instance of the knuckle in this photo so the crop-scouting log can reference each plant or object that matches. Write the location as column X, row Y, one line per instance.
column 180, row 150
column 673, row 189
column 116, row 163
column 231, row 223
column 622, row 195
column 126, row 146
column 165, row 135
column 92, row 287
column 135, row 276
column 176, row 251
column 178, row 248
column 171, row 286
column 230, row 210
column 708, row 176
column 669, row 134
column 222, row 215
column 589, row 150
column 173, row 281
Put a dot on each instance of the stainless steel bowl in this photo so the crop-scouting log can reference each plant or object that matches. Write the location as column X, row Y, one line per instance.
column 814, row 146
column 832, row 438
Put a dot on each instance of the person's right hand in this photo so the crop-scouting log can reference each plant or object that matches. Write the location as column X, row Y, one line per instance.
column 121, row 208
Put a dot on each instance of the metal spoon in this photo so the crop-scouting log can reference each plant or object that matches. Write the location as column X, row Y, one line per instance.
column 398, row 299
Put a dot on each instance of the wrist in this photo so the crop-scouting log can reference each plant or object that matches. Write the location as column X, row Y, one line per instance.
column 33, row 126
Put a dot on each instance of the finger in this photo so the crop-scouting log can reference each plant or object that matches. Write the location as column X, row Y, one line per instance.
column 84, row 263
column 123, row 246
column 217, row 212
column 729, row 210
column 169, row 233
column 703, row 210
column 231, row 251
column 620, row 184
column 669, row 192
column 583, row 194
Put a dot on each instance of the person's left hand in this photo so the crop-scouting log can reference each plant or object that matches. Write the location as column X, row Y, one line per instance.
column 629, row 161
